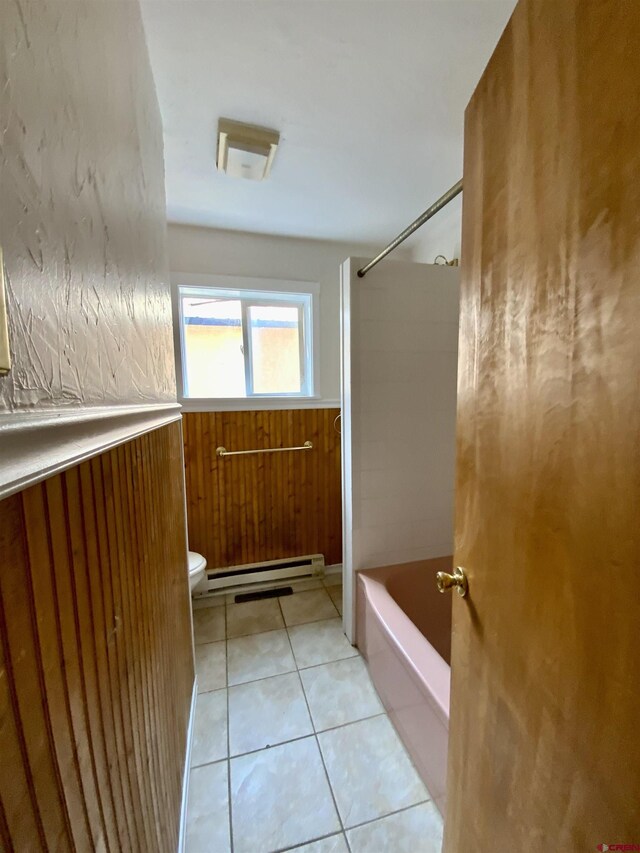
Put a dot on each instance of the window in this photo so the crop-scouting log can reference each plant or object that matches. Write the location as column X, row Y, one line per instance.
column 245, row 343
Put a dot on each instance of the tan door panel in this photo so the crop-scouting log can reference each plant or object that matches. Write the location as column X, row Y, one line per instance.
column 545, row 721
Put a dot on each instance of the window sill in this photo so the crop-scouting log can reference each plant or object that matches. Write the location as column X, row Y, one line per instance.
column 256, row 404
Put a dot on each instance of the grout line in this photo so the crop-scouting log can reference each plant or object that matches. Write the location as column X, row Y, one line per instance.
column 287, row 672
column 273, row 745
column 354, row 653
column 312, row 733
column 224, row 756
column 389, row 814
column 314, row 621
column 315, row 732
column 257, row 633
column 264, row 678
column 351, row 722
column 209, row 643
column 352, row 656
column 324, row 767
column 344, row 725
column 352, row 649
column 335, row 660
column 282, row 627
column 295, row 624
column 226, row 671
column 315, row 735
column 345, row 829
column 210, row 763
column 326, row 772
column 310, row 841
column 211, row 690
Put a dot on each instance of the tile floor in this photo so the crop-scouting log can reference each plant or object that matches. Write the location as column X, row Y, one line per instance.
column 292, row 749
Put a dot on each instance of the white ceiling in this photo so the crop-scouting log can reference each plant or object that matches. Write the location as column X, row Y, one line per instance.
column 368, row 95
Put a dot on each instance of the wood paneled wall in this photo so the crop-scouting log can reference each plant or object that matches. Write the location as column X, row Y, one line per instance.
column 245, row 509
column 97, row 665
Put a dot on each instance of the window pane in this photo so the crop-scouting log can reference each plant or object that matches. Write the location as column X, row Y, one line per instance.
column 213, row 347
column 275, row 349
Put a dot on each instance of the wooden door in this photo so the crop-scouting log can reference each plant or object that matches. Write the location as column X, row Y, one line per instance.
column 545, row 725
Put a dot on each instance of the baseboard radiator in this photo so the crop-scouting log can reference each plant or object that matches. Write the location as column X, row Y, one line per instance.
column 269, row 572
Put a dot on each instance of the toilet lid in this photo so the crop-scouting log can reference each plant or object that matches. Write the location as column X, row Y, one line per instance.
column 196, row 562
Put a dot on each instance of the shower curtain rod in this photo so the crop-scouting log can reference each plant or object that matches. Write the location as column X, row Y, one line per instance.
column 429, row 212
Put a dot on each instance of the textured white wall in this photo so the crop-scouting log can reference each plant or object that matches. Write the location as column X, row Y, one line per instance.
column 207, row 250
column 82, row 208
column 400, row 349
column 441, row 235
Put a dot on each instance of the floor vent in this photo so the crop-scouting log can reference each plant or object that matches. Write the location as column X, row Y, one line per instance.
column 263, row 593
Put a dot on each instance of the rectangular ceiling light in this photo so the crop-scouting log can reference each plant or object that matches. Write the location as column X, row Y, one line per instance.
column 244, row 150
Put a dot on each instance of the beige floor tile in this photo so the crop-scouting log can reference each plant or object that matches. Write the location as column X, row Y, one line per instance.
column 267, row 712
column 320, row 642
column 211, row 666
column 208, row 810
column 333, row 579
column 331, row 844
column 259, row 656
column 335, row 594
column 253, row 617
column 304, row 584
column 208, row 625
column 340, row 692
column 370, row 773
column 417, row 828
column 280, row 798
column 208, row 601
column 210, row 728
column 307, row 607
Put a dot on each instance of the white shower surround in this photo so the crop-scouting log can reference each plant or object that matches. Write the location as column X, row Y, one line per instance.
column 399, row 378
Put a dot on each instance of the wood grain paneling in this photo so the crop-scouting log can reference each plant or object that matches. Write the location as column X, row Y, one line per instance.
column 545, row 714
column 97, row 667
column 245, row 509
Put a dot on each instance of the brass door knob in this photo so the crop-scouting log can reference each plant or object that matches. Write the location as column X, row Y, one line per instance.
column 458, row 580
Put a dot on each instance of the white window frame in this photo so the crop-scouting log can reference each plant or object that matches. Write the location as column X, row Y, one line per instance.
column 265, row 291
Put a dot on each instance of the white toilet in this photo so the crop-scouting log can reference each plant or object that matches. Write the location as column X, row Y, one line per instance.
column 197, row 566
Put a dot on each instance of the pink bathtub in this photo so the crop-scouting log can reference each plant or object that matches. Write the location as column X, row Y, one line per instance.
column 403, row 629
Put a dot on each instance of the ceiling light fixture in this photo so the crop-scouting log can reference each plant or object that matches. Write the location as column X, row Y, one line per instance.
column 244, row 150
